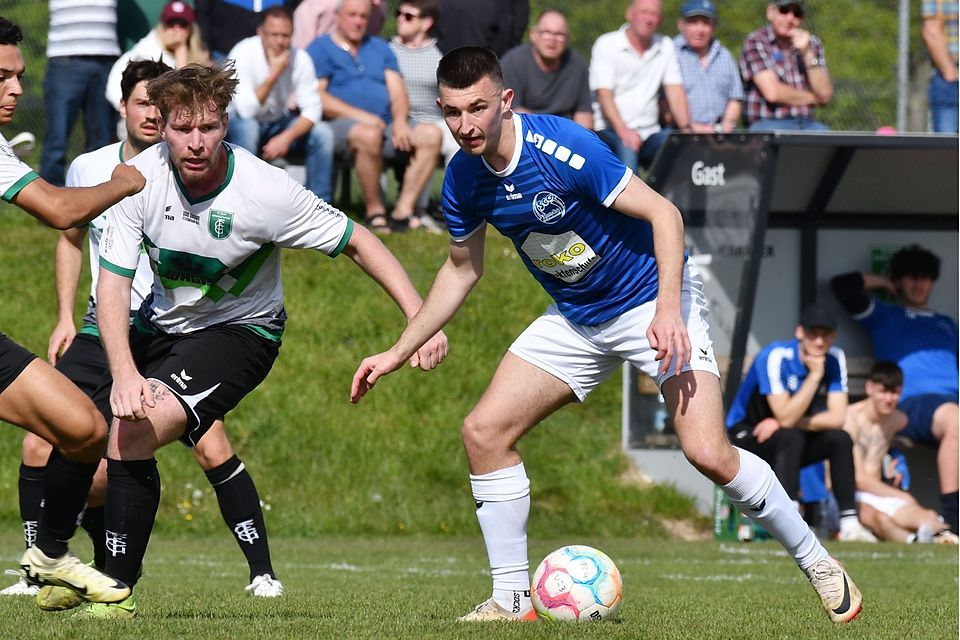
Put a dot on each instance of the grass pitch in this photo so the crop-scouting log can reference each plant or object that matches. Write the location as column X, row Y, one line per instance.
column 390, row 587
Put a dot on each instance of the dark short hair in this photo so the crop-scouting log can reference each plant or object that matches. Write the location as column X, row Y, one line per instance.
column 886, row 373
column 914, row 261
column 427, row 8
column 276, row 11
column 193, row 87
column 10, row 33
column 137, row 71
column 467, row 66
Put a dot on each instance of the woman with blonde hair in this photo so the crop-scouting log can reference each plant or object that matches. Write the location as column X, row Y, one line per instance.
column 175, row 40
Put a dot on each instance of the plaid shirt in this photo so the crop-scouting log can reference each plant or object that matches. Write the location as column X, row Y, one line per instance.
column 947, row 11
column 709, row 88
column 761, row 52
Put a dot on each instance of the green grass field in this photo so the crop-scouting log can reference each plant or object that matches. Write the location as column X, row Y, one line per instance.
column 388, row 587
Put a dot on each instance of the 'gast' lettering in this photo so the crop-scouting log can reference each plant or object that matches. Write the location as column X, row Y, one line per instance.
column 704, row 176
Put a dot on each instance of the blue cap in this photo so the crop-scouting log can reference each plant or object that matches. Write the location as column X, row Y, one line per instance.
column 693, row 8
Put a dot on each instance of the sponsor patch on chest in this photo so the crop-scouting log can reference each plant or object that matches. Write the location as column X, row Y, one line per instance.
column 566, row 256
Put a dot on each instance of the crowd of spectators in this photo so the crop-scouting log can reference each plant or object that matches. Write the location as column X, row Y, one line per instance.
column 373, row 102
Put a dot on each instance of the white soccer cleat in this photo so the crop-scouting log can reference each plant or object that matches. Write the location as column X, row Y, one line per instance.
column 855, row 532
column 20, row 587
column 68, row 571
column 839, row 596
column 265, row 586
column 490, row 611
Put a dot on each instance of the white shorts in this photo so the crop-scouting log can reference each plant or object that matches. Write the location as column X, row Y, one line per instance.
column 584, row 356
column 884, row 504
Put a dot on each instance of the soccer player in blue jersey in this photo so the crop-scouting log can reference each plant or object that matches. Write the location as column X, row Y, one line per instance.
column 924, row 344
column 790, row 411
column 609, row 250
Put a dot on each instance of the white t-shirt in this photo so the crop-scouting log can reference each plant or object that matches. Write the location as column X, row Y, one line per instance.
column 89, row 170
column 216, row 258
column 299, row 79
column 14, row 174
column 634, row 79
column 148, row 47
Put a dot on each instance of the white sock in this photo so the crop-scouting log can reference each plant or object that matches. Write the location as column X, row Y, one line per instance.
column 756, row 491
column 503, row 505
column 848, row 522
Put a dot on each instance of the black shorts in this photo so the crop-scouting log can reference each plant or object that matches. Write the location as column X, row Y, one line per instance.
column 209, row 371
column 13, row 360
column 85, row 364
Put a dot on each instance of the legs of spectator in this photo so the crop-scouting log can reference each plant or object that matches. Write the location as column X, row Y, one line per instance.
column 883, row 525
column 99, row 117
column 319, row 158
column 650, row 146
column 944, row 429
column 944, row 112
column 426, row 139
column 612, row 140
column 366, row 143
column 244, row 132
column 63, row 95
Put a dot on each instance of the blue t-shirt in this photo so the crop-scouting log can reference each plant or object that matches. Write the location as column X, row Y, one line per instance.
column 553, row 202
column 923, row 343
column 360, row 81
column 778, row 368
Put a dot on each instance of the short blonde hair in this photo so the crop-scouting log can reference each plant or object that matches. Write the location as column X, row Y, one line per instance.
column 193, row 87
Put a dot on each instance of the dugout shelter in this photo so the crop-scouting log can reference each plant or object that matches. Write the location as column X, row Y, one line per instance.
column 770, row 218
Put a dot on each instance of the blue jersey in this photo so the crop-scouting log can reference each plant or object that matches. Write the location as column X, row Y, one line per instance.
column 777, row 369
column 923, row 343
column 553, row 202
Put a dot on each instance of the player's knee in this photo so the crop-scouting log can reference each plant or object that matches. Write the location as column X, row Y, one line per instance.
column 36, row 450
column 478, row 435
column 710, row 461
column 212, row 455
column 86, row 440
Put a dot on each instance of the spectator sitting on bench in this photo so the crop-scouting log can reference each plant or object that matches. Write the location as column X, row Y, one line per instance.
column 891, row 513
column 270, row 71
column 924, row 344
column 790, row 408
column 362, row 91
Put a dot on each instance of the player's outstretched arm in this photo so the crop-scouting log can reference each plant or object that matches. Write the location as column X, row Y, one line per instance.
column 462, row 270
column 67, row 263
column 66, row 207
column 130, row 391
column 667, row 332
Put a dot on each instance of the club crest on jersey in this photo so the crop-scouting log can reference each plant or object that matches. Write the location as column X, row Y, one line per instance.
column 220, row 224
column 548, row 207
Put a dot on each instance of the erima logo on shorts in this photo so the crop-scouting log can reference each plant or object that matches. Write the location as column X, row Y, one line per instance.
column 548, row 207
column 565, row 256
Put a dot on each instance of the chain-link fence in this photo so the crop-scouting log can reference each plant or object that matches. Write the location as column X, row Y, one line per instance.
column 860, row 38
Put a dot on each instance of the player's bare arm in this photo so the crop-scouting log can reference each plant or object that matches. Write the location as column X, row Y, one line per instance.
column 458, row 275
column 667, row 332
column 130, row 391
column 66, row 207
column 67, row 263
column 366, row 250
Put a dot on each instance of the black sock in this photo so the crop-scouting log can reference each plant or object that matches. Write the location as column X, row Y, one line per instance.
column 948, row 509
column 30, row 490
column 133, row 496
column 240, row 508
column 65, row 490
column 92, row 523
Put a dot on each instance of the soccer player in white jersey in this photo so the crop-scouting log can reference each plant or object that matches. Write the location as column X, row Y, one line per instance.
column 34, row 395
column 212, row 218
column 609, row 250
column 81, row 358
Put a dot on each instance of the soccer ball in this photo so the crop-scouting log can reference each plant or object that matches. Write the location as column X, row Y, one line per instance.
column 577, row 583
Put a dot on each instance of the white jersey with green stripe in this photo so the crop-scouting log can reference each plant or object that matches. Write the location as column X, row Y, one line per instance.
column 14, row 174
column 89, row 170
column 216, row 257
